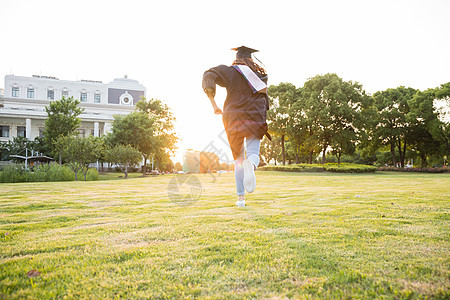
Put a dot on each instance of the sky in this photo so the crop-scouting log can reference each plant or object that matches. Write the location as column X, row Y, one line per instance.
column 167, row 45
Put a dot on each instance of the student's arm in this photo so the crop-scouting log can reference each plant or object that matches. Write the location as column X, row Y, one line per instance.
column 212, row 77
column 210, row 92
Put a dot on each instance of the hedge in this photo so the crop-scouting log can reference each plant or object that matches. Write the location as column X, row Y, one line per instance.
column 443, row 169
column 43, row 173
column 330, row 167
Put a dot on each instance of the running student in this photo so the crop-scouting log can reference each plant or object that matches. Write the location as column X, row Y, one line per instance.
column 244, row 113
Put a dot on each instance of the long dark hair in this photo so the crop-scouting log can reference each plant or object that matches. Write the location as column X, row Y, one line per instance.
column 248, row 61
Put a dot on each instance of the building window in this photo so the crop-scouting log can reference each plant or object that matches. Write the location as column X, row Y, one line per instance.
column 126, row 99
column 51, row 94
column 15, row 91
column 41, row 131
column 65, row 93
column 97, row 98
column 30, row 93
column 83, row 97
column 4, row 131
column 21, row 131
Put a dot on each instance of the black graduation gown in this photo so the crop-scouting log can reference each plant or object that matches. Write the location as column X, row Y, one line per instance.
column 244, row 112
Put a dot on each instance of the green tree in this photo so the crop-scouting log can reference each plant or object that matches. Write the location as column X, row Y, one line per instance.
column 344, row 142
column 270, row 149
column 393, row 128
column 135, row 129
column 301, row 130
column 148, row 129
column 124, row 155
column 62, row 120
column 165, row 139
column 442, row 94
column 333, row 110
column 281, row 99
column 165, row 163
column 430, row 130
column 79, row 152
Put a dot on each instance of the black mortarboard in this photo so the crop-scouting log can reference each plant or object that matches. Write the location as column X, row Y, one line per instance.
column 243, row 52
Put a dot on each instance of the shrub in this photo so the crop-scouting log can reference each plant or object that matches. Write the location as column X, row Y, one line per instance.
column 91, row 175
column 349, row 168
column 42, row 173
column 443, row 169
column 12, row 173
column 60, row 173
column 331, row 167
column 294, row 168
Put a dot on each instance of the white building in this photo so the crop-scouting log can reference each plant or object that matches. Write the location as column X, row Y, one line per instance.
column 23, row 101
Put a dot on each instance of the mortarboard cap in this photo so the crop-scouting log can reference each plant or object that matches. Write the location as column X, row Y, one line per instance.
column 243, row 51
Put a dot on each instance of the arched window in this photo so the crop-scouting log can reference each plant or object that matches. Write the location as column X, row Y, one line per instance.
column 126, row 99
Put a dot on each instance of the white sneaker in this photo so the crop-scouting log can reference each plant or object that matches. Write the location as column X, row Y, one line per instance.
column 249, row 176
column 240, row 203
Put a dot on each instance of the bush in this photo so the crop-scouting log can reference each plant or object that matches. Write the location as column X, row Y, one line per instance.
column 349, row 168
column 12, row 173
column 91, row 175
column 294, row 168
column 60, row 173
column 443, row 169
column 331, row 167
column 42, row 173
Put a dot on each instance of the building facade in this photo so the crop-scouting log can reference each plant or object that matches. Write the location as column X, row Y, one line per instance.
column 23, row 101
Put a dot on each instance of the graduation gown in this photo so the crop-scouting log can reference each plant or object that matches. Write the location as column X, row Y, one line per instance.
column 244, row 112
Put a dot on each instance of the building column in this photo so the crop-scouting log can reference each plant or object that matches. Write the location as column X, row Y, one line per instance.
column 96, row 130
column 28, row 129
column 106, row 128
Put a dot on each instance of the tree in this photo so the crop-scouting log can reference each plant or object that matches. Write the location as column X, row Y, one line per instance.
column 79, row 152
column 332, row 108
column 393, row 127
column 430, row 130
column 123, row 155
column 270, row 149
column 165, row 163
column 281, row 99
column 137, row 130
column 178, row 167
column 62, row 120
column 148, row 129
column 343, row 142
column 163, row 124
column 442, row 94
column 301, row 131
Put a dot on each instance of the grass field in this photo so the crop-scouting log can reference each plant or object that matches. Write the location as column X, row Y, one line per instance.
column 302, row 235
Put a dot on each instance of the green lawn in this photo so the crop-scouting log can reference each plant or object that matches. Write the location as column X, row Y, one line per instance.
column 302, row 235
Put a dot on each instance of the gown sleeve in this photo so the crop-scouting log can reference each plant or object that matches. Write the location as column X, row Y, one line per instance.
column 217, row 75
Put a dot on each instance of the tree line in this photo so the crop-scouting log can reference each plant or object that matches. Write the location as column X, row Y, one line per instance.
column 146, row 133
column 335, row 119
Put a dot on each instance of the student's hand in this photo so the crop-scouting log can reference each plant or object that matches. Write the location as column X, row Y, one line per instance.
column 217, row 110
